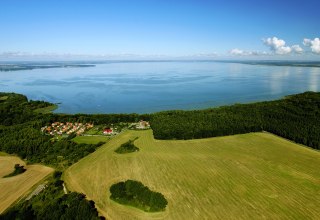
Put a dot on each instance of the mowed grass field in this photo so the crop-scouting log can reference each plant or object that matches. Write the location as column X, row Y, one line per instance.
column 13, row 188
column 90, row 139
column 46, row 110
column 250, row 176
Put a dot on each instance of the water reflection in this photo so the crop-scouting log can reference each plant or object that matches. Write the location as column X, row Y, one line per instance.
column 277, row 80
column 314, row 79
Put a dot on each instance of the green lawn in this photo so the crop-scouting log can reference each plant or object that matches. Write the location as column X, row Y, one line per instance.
column 3, row 98
column 96, row 130
column 3, row 154
column 250, row 176
column 46, row 110
column 90, row 139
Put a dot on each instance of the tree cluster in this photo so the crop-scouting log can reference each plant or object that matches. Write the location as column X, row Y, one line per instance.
column 135, row 194
column 127, row 147
column 18, row 169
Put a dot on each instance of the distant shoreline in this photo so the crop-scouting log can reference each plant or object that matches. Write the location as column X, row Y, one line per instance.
column 30, row 65
column 17, row 67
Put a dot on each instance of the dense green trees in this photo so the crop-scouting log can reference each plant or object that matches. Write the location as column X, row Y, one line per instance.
column 135, row 194
column 127, row 147
column 53, row 204
column 296, row 117
column 20, row 131
column 29, row 143
column 16, row 109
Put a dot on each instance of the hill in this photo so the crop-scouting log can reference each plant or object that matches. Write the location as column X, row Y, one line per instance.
column 246, row 176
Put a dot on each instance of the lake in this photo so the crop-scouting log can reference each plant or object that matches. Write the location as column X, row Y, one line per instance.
column 144, row 87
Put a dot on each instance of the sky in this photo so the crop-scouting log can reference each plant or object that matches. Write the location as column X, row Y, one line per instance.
column 274, row 29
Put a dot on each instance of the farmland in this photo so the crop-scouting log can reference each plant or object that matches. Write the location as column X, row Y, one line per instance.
column 249, row 176
column 13, row 188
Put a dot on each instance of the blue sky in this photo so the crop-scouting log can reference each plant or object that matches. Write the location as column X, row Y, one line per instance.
column 160, row 27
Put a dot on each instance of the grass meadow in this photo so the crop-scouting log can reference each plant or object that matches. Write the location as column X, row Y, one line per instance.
column 90, row 139
column 250, row 176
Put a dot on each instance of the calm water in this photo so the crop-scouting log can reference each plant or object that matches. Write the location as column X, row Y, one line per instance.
column 154, row 86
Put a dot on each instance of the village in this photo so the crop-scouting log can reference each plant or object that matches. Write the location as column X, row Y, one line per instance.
column 60, row 128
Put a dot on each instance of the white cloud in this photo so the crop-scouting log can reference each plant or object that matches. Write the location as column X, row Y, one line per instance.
column 313, row 44
column 237, row 52
column 277, row 45
column 297, row 49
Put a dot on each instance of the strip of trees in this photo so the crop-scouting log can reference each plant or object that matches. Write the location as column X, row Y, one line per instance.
column 295, row 117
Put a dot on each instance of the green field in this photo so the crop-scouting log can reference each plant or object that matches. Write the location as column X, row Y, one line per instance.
column 96, row 130
column 250, row 176
column 3, row 98
column 46, row 110
column 90, row 139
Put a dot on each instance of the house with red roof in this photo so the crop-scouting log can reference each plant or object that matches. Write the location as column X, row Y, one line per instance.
column 108, row 131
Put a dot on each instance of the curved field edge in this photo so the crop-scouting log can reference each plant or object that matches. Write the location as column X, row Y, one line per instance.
column 14, row 188
column 246, row 176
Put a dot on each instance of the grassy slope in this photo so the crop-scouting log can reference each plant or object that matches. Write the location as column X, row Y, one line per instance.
column 2, row 98
column 250, row 176
column 46, row 110
column 13, row 188
column 90, row 139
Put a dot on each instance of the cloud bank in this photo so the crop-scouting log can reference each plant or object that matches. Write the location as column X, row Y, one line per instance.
column 313, row 44
column 279, row 47
column 238, row 52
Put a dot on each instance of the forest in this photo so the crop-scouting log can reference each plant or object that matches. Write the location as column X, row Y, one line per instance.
column 135, row 194
column 53, row 204
column 295, row 117
column 20, row 132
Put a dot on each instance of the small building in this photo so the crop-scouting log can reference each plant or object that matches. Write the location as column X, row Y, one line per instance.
column 108, row 131
column 143, row 125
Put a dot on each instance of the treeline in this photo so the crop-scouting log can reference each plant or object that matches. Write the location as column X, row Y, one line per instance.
column 295, row 117
column 20, row 131
column 17, row 109
column 53, row 204
column 135, row 194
